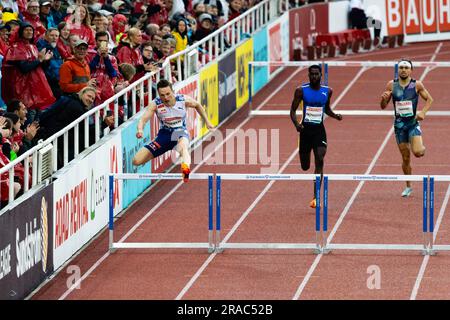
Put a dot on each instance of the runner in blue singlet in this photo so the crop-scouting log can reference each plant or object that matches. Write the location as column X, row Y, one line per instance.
column 405, row 93
column 316, row 103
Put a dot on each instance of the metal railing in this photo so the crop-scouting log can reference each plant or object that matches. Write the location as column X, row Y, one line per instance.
column 211, row 48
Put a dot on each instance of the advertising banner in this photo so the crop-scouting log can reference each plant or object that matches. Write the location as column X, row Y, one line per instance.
column 209, row 93
column 81, row 194
column 227, row 85
column 130, row 146
column 244, row 54
column 261, row 53
column 305, row 24
column 26, row 241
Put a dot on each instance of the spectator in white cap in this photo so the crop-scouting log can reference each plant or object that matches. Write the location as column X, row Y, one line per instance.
column 205, row 27
column 46, row 16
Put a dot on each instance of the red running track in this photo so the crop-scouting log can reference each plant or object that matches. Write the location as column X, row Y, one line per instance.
column 278, row 212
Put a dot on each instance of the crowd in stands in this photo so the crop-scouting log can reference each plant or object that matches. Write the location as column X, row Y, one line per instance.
column 60, row 58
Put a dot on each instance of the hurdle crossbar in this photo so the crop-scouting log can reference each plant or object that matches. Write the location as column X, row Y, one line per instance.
column 161, row 245
column 344, row 113
column 322, row 245
column 367, row 64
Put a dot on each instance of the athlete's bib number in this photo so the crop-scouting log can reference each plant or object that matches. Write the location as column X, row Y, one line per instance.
column 173, row 123
column 313, row 114
column 404, row 108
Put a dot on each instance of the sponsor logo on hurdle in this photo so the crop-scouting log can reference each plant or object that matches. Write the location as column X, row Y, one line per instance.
column 384, row 178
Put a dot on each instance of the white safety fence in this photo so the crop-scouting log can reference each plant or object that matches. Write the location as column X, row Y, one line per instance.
column 44, row 156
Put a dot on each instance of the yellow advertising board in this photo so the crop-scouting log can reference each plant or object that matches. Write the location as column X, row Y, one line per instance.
column 244, row 54
column 209, row 94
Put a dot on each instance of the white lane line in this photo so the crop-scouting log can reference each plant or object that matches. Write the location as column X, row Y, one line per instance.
column 234, row 228
column 142, row 220
column 427, row 257
column 355, row 193
column 342, row 216
column 425, row 260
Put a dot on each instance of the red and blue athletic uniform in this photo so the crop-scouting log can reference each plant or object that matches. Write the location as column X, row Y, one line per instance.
column 172, row 126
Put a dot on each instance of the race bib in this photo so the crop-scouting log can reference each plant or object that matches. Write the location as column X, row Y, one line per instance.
column 173, row 122
column 313, row 114
column 404, row 108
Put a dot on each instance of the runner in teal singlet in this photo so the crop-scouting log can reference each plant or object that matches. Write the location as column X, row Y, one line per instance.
column 405, row 93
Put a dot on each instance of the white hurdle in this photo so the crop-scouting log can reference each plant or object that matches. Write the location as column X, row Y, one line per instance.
column 160, row 245
column 322, row 244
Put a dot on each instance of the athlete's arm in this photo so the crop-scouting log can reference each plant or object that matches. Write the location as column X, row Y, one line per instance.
column 425, row 96
column 298, row 97
column 386, row 96
column 148, row 114
column 191, row 103
column 328, row 110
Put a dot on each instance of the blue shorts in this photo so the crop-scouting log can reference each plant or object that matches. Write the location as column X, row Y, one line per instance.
column 166, row 140
column 405, row 131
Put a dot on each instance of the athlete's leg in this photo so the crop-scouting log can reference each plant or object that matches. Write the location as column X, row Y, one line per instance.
column 142, row 156
column 304, row 151
column 417, row 147
column 183, row 148
column 319, row 156
column 406, row 160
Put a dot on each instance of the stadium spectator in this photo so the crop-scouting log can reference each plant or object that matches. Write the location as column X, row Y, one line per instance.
column 129, row 52
column 63, row 43
column 205, row 28
column 119, row 27
column 17, row 107
column 156, row 44
column 32, row 17
column 80, row 24
column 150, row 30
column 180, row 34
column 157, row 12
column 236, row 9
column 57, row 12
column 24, row 76
column 75, row 74
column 5, row 132
column 61, row 114
column 103, row 68
column 46, row 16
column 52, row 66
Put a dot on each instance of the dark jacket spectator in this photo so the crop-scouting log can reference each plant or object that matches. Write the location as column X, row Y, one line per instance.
column 46, row 16
column 61, row 114
column 205, row 28
column 52, row 66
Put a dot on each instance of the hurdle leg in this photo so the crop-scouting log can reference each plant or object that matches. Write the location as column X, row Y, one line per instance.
column 325, row 217
column 111, row 214
column 318, row 249
column 218, row 249
column 210, row 216
column 430, row 232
